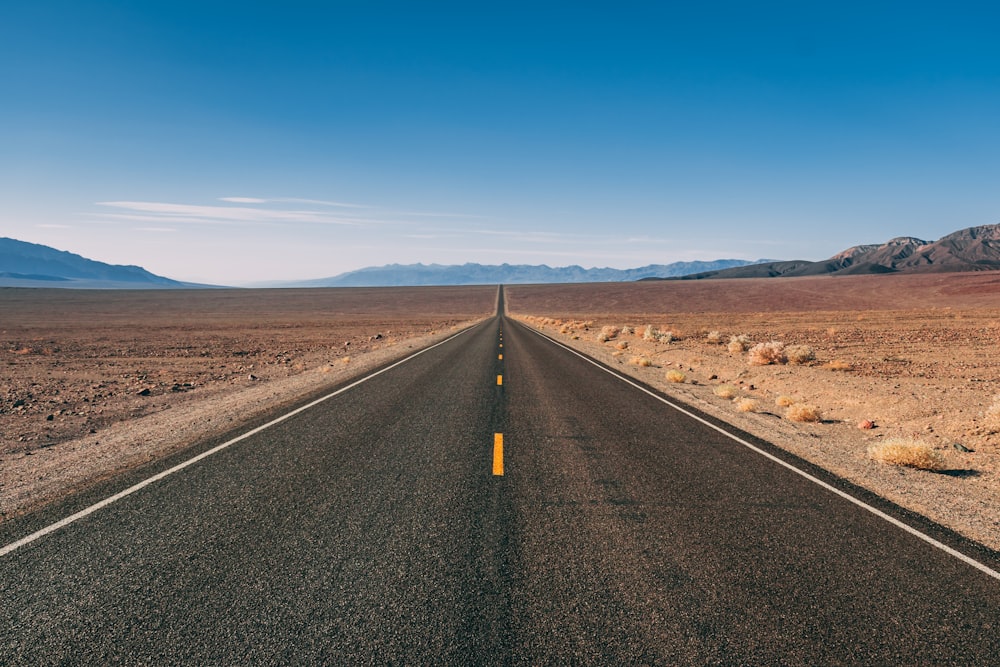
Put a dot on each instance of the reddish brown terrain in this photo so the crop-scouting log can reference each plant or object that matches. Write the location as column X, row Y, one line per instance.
column 912, row 357
column 95, row 382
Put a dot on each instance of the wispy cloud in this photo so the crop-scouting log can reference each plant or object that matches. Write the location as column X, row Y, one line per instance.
column 290, row 200
column 53, row 226
column 210, row 214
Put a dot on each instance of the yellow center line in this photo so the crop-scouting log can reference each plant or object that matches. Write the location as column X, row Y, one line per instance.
column 499, row 380
column 498, row 454
column 499, row 356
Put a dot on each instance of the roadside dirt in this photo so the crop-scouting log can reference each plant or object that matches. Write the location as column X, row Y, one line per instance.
column 912, row 357
column 97, row 382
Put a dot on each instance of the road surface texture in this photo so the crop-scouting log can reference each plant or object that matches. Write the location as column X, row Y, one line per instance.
column 375, row 528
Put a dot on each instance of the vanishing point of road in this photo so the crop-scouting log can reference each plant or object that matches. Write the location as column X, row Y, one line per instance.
column 495, row 499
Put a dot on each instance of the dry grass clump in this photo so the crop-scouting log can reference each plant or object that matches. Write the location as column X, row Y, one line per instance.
column 622, row 345
column 738, row 344
column 665, row 337
column 676, row 376
column 784, row 401
column 714, row 337
column 991, row 419
column 627, row 330
column 837, row 365
column 800, row 354
column 726, row 391
column 800, row 412
column 606, row 334
column 640, row 361
column 649, row 334
column 746, row 405
column 905, row 452
column 764, row 354
column 565, row 329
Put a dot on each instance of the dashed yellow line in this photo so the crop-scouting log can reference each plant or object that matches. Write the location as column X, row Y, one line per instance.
column 500, row 356
column 499, row 380
column 498, row 454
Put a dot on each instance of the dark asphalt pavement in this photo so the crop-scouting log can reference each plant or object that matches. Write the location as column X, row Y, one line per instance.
column 370, row 529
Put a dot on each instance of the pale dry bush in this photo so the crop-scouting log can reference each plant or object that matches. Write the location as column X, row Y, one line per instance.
column 906, row 452
column 676, row 376
column 991, row 419
column 649, row 334
column 714, row 337
column 665, row 337
column 622, row 345
column 640, row 361
column 837, row 365
column 607, row 333
column 726, row 391
column 627, row 330
column 765, row 354
column 746, row 405
column 738, row 344
column 565, row 329
column 800, row 412
column 800, row 354
column 784, row 401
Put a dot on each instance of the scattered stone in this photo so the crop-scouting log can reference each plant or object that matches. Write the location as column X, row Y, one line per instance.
column 19, row 403
column 50, row 418
column 144, row 392
column 962, row 448
column 252, row 377
column 866, row 424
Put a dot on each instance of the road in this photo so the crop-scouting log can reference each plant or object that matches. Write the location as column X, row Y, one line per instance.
column 374, row 528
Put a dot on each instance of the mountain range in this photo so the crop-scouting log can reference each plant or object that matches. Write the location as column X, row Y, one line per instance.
column 397, row 275
column 971, row 249
column 25, row 264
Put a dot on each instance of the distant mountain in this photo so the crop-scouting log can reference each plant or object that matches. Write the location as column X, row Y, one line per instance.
column 397, row 275
column 31, row 265
column 972, row 249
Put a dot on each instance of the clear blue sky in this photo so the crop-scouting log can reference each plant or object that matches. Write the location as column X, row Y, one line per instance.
column 229, row 142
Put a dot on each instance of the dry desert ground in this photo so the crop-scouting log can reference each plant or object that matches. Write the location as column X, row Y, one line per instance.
column 98, row 382
column 909, row 359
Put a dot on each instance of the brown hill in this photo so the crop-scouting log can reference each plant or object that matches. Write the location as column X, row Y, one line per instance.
column 972, row 249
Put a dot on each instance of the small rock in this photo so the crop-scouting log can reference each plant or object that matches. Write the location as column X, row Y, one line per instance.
column 145, row 392
column 50, row 418
column 962, row 448
column 252, row 377
column 866, row 425
column 713, row 377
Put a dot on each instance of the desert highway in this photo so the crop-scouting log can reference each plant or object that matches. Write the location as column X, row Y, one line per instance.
column 493, row 500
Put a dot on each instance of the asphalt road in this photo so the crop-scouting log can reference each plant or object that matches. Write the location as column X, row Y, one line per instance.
column 371, row 528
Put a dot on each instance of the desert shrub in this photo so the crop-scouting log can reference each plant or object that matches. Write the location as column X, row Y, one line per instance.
column 799, row 354
column 738, row 344
column 627, row 330
column 676, row 376
column 784, row 401
column 837, row 365
column 746, row 405
column 905, row 452
column 665, row 337
column 649, row 334
column 622, row 345
column 640, row 361
column 565, row 329
column 726, row 391
column 800, row 412
column 714, row 337
column 764, row 354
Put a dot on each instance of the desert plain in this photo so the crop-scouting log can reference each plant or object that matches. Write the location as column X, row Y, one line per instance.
column 95, row 383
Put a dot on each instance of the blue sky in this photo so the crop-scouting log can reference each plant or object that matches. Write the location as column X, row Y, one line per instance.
column 231, row 142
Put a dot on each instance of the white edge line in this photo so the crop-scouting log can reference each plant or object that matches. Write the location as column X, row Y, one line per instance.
column 860, row 503
column 13, row 546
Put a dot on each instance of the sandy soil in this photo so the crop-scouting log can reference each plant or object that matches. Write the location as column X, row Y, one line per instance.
column 98, row 382
column 914, row 356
